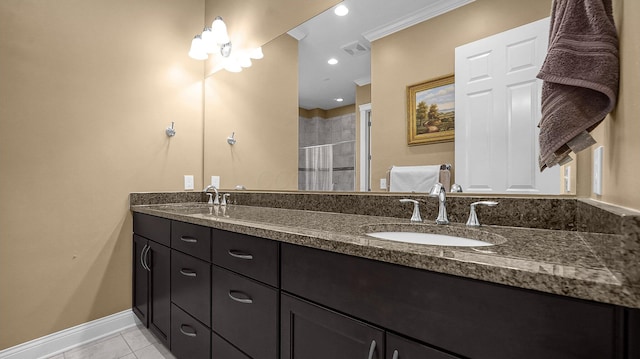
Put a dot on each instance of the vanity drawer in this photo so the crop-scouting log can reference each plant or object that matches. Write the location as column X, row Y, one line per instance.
column 189, row 338
column 472, row 318
column 251, row 256
column 191, row 239
column 151, row 227
column 191, row 285
column 245, row 313
column 221, row 349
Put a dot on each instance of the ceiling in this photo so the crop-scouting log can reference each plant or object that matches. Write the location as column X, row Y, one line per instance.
column 328, row 35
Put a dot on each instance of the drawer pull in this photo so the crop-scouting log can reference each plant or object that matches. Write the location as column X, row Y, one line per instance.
column 246, row 300
column 189, row 239
column 188, row 272
column 395, row 354
column 240, row 255
column 191, row 333
column 372, row 349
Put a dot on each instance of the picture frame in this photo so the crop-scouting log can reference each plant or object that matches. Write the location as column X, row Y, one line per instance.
column 431, row 111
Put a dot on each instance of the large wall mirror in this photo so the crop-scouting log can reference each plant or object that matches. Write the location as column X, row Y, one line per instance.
column 284, row 110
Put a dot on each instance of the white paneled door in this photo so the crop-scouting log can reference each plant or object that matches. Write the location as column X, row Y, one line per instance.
column 497, row 113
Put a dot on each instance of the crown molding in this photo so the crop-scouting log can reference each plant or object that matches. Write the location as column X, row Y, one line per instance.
column 438, row 8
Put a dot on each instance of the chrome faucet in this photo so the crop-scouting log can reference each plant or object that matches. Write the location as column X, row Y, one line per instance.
column 217, row 198
column 415, row 217
column 473, row 217
column 438, row 191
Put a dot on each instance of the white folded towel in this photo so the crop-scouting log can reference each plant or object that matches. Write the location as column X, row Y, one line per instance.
column 413, row 178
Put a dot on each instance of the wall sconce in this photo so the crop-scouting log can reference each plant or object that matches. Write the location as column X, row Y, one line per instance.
column 216, row 39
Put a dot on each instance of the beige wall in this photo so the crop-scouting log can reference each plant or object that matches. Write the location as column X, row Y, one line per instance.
column 422, row 52
column 620, row 131
column 259, row 104
column 87, row 89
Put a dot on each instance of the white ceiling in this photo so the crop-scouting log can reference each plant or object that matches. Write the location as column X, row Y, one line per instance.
column 323, row 37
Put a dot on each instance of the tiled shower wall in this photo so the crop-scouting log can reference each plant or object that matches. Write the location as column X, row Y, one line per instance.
column 339, row 131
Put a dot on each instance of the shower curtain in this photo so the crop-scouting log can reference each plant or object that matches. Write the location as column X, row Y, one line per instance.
column 319, row 168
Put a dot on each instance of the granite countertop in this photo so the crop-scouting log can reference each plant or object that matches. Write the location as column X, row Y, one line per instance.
column 552, row 261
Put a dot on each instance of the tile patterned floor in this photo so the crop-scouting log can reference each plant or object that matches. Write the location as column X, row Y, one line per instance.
column 136, row 342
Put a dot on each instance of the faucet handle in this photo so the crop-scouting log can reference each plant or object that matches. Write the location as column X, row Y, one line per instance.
column 415, row 217
column 210, row 198
column 224, row 199
column 473, row 217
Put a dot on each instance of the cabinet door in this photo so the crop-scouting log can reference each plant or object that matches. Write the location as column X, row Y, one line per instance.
column 191, row 285
column 402, row 348
column 159, row 290
column 245, row 313
column 189, row 338
column 140, row 280
column 312, row 332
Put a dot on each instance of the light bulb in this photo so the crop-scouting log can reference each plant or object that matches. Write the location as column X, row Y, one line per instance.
column 341, row 10
column 219, row 30
column 208, row 41
column 256, row 53
column 197, row 50
column 232, row 66
column 244, row 60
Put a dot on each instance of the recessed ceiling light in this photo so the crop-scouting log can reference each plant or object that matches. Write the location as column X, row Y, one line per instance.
column 341, row 10
column 339, row 99
column 332, row 61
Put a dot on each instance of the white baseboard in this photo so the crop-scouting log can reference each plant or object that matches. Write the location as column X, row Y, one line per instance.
column 66, row 339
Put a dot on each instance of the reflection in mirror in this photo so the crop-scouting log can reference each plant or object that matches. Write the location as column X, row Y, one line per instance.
column 263, row 104
column 334, row 58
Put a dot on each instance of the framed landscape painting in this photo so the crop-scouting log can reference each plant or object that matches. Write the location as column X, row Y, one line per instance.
column 431, row 111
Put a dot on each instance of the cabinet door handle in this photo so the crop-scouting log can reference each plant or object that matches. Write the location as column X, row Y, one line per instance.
column 188, row 272
column 142, row 257
column 241, row 255
column 395, row 354
column 191, row 333
column 146, row 258
column 246, row 300
column 372, row 349
column 189, row 239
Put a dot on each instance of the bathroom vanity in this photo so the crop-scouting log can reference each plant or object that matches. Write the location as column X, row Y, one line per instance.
column 258, row 282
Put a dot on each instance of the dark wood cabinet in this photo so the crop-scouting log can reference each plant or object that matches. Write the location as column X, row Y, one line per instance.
column 151, row 286
column 254, row 257
column 191, row 286
column 151, row 227
column 191, row 239
column 470, row 318
column 190, row 339
column 245, row 313
column 633, row 334
column 221, row 349
column 312, row 332
column 209, row 293
column 160, row 291
column 140, row 290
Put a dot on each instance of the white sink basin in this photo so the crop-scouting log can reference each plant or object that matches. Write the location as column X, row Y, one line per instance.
column 430, row 239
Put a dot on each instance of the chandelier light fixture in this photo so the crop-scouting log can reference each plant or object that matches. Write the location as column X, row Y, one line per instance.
column 215, row 39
